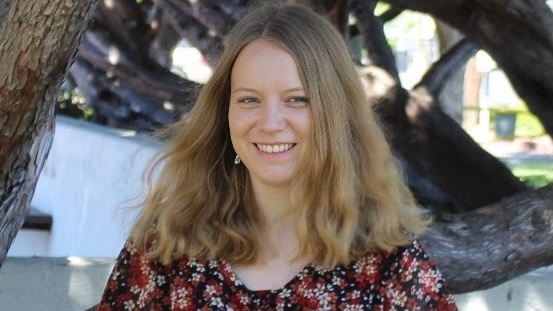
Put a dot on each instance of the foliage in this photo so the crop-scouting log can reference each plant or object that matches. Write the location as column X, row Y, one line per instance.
column 528, row 125
column 72, row 103
column 534, row 173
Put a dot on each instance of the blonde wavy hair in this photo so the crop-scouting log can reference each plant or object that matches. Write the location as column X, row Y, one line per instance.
column 348, row 195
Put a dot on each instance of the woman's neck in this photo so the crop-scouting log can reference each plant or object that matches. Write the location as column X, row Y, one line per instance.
column 274, row 204
column 279, row 236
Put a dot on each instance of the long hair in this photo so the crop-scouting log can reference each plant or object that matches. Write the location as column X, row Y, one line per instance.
column 348, row 194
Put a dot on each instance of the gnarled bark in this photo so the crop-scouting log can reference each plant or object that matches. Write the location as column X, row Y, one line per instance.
column 483, row 248
column 37, row 40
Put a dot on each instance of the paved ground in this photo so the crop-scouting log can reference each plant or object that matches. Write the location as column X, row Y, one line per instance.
column 523, row 147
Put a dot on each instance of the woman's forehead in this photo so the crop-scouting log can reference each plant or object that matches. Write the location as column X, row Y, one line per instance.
column 263, row 63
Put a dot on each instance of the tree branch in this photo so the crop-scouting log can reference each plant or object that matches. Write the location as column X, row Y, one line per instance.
column 390, row 14
column 371, row 27
column 435, row 79
column 483, row 248
column 128, row 92
column 192, row 28
column 438, row 148
column 339, row 14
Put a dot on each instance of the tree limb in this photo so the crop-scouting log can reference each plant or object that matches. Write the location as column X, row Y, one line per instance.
column 191, row 28
column 435, row 79
column 129, row 92
column 443, row 152
column 339, row 16
column 485, row 247
column 390, row 14
column 371, row 27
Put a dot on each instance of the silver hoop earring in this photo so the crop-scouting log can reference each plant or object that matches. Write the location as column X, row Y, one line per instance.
column 237, row 160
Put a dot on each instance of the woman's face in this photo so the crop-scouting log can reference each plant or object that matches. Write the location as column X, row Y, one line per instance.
column 269, row 114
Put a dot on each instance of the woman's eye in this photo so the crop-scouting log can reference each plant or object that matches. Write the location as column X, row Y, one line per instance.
column 247, row 100
column 299, row 99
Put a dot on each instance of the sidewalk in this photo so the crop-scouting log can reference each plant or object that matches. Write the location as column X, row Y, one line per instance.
column 541, row 147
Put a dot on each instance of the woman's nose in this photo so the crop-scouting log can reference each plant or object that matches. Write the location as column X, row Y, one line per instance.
column 272, row 117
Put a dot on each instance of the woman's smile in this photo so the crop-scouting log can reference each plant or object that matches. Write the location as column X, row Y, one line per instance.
column 274, row 148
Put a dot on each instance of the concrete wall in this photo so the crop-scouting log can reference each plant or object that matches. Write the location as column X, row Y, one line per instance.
column 89, row 177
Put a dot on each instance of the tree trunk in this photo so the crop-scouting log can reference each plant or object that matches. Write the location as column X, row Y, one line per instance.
column 37, row 40
column 483, row 248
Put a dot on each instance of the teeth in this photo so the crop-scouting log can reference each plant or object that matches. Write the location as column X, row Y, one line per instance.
column 274, row 148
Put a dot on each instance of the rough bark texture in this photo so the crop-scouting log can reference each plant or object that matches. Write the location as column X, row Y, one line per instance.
column 4, row 6
column 37, row 39
column 483, row 248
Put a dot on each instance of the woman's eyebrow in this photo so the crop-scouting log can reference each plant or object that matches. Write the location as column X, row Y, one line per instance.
column 244, row 89
column 295, row 89
column 247, row 89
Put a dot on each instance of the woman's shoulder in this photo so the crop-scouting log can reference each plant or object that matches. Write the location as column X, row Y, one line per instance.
column 400, row 255
column 405, row 254
column 138, row 280
column 408, row 274
column 403, row 259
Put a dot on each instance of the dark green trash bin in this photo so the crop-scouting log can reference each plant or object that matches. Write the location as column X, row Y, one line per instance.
column 505, row 125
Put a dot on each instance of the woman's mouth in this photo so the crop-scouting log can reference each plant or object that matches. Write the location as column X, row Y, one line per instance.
column 274, row 148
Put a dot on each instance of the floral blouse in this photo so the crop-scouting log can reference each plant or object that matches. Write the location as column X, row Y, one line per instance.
column 404, row 279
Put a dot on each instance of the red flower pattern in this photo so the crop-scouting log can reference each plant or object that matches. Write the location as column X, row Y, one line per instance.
column 401, row 280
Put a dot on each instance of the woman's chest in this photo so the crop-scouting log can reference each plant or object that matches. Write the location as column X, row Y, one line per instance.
column 309, row 289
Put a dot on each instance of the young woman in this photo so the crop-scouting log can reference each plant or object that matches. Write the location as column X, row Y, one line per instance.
column 278, row 190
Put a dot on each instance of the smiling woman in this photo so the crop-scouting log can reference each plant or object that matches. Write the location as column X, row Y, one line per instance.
column 278, row 190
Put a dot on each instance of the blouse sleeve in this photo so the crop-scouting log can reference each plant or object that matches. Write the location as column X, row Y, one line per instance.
column 133, row 283
column 414, row 283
